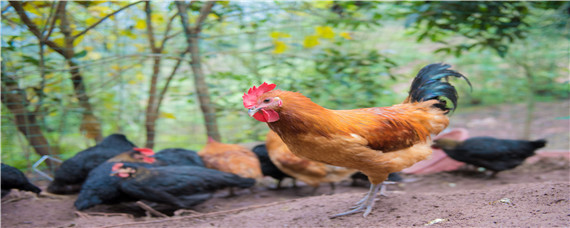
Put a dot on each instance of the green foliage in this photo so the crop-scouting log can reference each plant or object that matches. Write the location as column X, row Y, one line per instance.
column 486, row 24
column 360, row 56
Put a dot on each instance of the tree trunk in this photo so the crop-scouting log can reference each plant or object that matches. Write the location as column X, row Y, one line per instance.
column 90, row 124
column 15, row 100
column 151, row 109
column 530, row 102
column 192, row 38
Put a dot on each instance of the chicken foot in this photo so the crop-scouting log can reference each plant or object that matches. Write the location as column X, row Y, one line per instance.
column 364, row 204
column 382, row 193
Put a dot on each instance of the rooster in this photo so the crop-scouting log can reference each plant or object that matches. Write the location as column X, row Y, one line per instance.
column 311, row 172
column 377, row 141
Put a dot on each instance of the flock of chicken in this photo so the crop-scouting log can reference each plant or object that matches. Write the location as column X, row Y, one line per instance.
column 306, row 142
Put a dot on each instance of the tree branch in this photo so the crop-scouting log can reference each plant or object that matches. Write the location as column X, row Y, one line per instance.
column 168, row 28
column 52, row 24
column 170, row 77
column 103, row 19
column 50, row 16
column 33, row 27
column 5, row 8
column 150, row 28
column 204, row 11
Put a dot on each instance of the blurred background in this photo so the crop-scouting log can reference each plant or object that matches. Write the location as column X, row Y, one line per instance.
column 167, row 74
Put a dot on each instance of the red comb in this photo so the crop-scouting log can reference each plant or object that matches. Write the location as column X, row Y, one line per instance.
column 117, row 166
column 250, row 99
column 145, row 151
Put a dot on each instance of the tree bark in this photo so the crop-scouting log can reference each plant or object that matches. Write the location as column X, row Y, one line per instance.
column 192, row 38
column 90, row 124
column 14, row 98
column 151, row 110
column 530, row 102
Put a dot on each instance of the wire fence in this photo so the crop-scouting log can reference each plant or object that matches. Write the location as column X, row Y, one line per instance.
column 116, row 64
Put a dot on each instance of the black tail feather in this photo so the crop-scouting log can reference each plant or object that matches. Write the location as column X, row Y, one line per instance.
column 428, row 85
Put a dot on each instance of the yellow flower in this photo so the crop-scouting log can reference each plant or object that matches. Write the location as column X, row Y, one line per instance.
column 311, row 41
column 345, row 35
column 280, row 47
column 325, row 32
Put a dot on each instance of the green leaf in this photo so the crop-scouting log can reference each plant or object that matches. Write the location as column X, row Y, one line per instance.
column 80, row 54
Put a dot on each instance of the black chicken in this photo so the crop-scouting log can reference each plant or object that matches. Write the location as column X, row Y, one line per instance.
column 179, row 186
column 72, row 173
column 490, row 153
column 14, row 178
column 101, row 188
column 267, row 166
column 178, row 156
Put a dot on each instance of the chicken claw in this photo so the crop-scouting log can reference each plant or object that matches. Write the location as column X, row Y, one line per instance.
column 366, row 203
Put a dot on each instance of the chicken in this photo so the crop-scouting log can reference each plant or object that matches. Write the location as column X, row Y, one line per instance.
column 72, row 172
column 14, row 178
column 179, row 186
column 268, row 168
column 178, row 156
column 311, row 172
column 135, row 155
column 490, row 153
column 100, row 188
column 231, row 158
column 377, row 141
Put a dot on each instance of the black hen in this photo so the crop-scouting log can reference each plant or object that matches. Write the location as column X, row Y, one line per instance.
column 14, row 178
column 267, row 166
column 490, row 153
column 72, row 173
column 179, row 186
column 101, row 188
column 178, row 156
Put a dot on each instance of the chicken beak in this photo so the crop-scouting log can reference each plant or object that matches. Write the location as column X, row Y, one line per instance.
column 252, row 111
column 113, row 173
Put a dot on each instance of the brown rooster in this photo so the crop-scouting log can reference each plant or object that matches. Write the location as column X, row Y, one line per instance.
column 311, row 172
column 377, row 141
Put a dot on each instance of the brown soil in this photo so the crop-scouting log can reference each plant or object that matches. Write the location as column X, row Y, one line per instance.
column 532, row 195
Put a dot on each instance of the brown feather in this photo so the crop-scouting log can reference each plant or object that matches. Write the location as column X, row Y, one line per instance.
column 231, row 158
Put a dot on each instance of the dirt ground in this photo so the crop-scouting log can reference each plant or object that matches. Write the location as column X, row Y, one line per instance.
column 532, row 195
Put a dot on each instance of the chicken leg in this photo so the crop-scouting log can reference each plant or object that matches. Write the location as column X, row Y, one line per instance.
column 365, row 203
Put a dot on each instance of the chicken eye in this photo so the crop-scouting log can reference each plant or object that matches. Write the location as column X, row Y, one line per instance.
column 266, row 100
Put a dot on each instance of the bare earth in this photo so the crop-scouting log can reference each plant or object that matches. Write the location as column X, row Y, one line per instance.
column 532, row 195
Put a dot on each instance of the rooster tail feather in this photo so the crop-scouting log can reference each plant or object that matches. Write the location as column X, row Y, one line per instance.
column 428, row 86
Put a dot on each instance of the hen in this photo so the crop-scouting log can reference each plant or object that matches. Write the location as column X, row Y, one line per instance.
column 490, row 153
column 179, row 186
column 311, row 172
column 377, row 141
column 231, row 158
column 100, row 188
column 14, row 178
column 72, row 172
